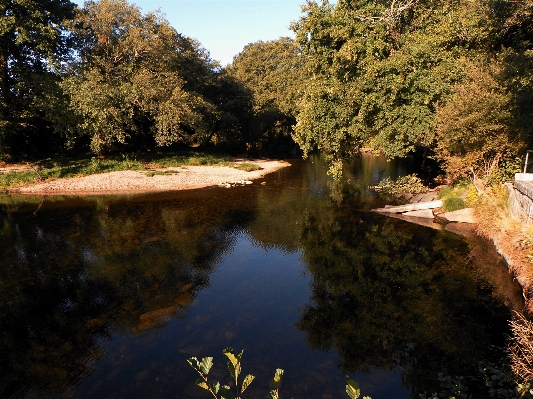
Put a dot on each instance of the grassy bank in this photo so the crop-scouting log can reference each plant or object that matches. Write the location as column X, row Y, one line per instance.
column 59, row 168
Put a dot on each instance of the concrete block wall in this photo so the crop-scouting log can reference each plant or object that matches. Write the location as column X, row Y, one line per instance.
column 521, row 200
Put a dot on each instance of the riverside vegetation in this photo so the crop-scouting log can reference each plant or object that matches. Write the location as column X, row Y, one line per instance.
column 498, row 384
column 451, row 79
column 50, row 168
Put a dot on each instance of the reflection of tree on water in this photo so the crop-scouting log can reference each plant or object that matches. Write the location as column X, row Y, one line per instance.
column 386, row 299
column 69, row 278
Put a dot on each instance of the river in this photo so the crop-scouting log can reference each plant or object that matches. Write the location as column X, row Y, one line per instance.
column 107, row 296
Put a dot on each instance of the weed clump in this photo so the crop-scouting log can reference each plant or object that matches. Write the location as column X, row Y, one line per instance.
column 453, row 204
column 247, row 166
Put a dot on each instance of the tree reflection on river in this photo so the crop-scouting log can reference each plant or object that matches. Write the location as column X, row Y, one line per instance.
column 107, row 296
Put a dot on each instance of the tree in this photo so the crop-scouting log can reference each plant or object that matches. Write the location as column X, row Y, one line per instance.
column 137, row 79
column 274, row 72
column 474, row 129
column 381, row 69
column 33, row 45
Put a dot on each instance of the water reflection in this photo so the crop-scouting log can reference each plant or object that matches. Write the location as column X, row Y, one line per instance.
column 107, row 296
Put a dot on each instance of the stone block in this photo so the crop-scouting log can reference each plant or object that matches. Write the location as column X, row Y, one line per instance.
column 523, row 176
column 424, row 213
column 462, row 216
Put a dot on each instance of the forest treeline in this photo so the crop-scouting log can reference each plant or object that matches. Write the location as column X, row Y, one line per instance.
column 452, row 78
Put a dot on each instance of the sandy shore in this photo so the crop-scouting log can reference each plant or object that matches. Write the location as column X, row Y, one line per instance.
column 180, row 178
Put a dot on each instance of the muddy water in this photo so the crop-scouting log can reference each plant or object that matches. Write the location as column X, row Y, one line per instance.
column 106, row 297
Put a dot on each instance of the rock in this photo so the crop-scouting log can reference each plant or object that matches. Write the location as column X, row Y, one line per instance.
column 462, row 216
column 416, row 198
column 411, row 207
column 430, row 196
column 523, row 176
column 424, row 213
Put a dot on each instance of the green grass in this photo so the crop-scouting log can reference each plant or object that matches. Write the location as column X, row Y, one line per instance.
column 65, row 167
column 247, row 166
column 13, row 179
column 453, row 204
column 191, row 159
column 460, row 196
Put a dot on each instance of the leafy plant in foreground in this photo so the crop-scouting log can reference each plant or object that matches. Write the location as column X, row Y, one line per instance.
column 234, row 367
column 353, row 390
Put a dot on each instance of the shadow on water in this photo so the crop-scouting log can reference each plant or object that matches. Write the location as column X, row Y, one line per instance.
column 108, row 296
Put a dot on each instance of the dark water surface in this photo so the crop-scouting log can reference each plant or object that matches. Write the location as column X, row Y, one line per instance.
column 106, row 297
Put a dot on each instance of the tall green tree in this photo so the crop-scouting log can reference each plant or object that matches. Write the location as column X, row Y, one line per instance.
column 274, row 72
column 137, row 79
column 33, row 44
column 381, row 69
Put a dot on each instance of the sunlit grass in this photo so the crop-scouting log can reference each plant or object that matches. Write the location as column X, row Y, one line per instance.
column 192, row 159
column 247, row 166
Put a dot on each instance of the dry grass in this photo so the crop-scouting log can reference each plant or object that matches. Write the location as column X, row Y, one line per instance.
column 521, row 347
column 512, row 239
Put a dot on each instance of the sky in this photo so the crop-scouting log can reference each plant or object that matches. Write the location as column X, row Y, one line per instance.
column 224, row 27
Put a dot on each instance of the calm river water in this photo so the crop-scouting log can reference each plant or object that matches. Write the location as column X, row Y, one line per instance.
column 106, row 297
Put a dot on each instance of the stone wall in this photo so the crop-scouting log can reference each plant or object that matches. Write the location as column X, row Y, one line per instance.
column 521, row 200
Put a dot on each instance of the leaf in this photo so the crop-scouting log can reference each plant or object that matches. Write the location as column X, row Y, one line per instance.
column 233, row 358
column 214, row 386
column 234, row 371
column 247, row 381
column 225, row 393
column 352, row 388
column 202, row 384
column 272, row 395
column 194, row 363
column 206, row 364
column 277, row 378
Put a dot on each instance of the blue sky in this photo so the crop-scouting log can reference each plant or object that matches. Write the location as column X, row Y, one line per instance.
column 224, row 27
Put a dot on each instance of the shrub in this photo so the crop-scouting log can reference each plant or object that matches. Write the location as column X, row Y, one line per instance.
column 247, row 166
column 405, row 184
column 453, row 204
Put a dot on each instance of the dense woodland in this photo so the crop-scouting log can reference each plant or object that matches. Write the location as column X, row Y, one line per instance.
column 450, row 78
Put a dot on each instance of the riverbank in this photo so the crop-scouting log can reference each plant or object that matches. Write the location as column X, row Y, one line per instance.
column 159, row 179
column 512, row 239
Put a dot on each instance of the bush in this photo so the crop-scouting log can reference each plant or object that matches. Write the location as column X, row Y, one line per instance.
column 247, row 166
column 405, row 184
column 453, row 204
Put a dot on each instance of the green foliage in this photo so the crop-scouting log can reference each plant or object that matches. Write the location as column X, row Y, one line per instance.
column 444, row 192
column 247, row 166
column 459, row 196
column 33, row 47
column 453, row 204
column 274, row 72
column 352, row 388
column 450, row 75
column 12, row 179
column 142, row 81
column 234, row 367
column 50, row 169
column 475, row 133
column 404, row 184
column 191, row 158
